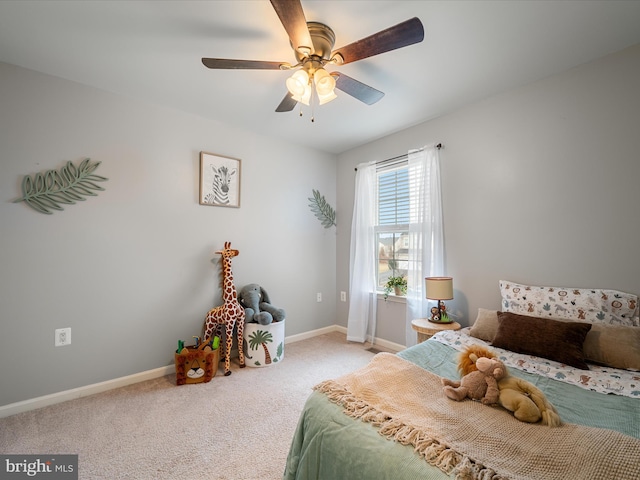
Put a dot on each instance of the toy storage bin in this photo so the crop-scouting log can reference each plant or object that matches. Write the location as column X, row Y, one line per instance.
column 263, row 344
column 194, row 365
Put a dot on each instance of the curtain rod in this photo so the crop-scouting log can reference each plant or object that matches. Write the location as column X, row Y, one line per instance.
column 438, row 146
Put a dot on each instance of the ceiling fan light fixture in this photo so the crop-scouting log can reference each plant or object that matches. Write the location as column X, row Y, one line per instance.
column 325, row 83
column 298, row 83
column 312, row 43
column 326, row 98
column 305, row 96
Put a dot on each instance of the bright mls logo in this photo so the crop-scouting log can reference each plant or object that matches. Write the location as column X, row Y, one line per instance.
column 50, row 467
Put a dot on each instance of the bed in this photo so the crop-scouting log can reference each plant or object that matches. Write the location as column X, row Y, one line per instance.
column 390, row 419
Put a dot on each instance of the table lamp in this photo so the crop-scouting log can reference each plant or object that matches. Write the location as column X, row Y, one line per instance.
column 439, row 288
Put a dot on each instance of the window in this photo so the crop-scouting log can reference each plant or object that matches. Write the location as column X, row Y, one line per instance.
column 396, row 229
column 392, row 226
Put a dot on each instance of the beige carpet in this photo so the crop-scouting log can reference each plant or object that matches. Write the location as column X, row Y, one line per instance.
column 236, row 428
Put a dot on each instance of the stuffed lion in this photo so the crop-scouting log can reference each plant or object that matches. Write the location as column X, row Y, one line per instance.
column 523, row 399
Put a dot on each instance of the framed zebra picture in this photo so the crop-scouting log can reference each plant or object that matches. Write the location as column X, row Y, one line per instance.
column 219, row 180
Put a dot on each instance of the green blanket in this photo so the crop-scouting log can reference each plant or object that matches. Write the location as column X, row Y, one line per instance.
column 329, row 445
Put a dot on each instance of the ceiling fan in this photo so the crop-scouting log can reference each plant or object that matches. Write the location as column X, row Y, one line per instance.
column 312, row 43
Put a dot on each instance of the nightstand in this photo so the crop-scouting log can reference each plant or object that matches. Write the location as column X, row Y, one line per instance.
column 427, row 329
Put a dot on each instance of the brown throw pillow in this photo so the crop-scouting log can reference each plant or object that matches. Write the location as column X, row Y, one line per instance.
column 543, row 337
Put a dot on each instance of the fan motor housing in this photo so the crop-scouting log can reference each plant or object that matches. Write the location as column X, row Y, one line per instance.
column 323, row 40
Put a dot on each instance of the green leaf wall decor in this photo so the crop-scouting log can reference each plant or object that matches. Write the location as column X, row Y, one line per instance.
column 46, row 191
column 322, row 209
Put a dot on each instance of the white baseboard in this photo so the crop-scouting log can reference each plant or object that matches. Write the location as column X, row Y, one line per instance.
column 394, row 347
column 59, row 397
column 314, row 333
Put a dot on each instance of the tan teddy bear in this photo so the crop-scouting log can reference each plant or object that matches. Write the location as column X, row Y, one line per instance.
column 525, row 400
column 481, row 384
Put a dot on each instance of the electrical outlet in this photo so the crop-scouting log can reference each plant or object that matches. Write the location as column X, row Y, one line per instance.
column 319, row 297
column 343, row 296
column 62, row 337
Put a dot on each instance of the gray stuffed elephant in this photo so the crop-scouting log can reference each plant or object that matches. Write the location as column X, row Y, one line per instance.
column 257, row 306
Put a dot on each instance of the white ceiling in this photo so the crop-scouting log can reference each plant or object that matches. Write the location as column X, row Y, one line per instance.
column 152, row 50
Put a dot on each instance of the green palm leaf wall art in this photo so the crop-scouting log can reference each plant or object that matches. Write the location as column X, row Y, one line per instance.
column 47, row 191
column 322, row 209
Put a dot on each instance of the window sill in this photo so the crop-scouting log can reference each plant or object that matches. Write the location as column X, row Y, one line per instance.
column 392, row 298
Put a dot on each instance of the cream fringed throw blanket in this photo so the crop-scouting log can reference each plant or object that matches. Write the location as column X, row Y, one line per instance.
column 476, row 441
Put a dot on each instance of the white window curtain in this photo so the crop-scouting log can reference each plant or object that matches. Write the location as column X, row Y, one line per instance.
column 362, row 273
column 426, row 232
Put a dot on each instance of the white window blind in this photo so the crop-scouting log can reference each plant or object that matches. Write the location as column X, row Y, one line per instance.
column 393, row 196
column 391, row 231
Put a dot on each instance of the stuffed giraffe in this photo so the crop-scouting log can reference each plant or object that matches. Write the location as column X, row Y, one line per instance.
column 228, row 314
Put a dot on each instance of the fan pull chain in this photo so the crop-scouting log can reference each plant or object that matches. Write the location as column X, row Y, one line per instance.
column 312, row 102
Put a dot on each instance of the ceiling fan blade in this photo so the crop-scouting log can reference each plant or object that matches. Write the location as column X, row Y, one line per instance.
column 401, row 35
column 287, row 104
column 356, row 89
column 294, row 22
column 224, row 63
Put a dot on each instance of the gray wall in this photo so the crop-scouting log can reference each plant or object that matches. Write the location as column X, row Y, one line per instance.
column 131, row 270
column 540, row 186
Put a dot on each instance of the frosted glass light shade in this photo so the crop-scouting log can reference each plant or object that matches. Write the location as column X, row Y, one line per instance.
column 298, row 83
column 322, row 99
column 305, row 97
column 325, row 83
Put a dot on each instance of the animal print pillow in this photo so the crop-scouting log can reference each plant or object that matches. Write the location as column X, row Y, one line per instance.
column 607, row 307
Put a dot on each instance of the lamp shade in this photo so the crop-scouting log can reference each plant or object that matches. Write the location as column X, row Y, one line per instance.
column 439, row 288
column 305, row 97
column 298, row 83
column 326, row 98
column 325, row 83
